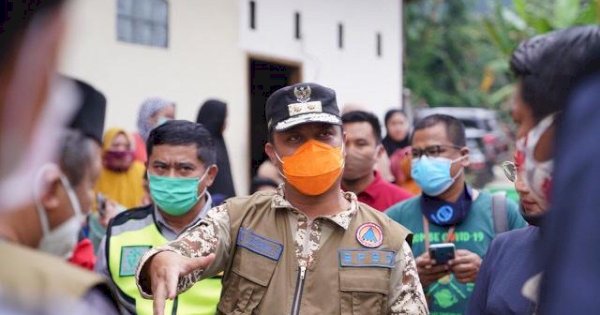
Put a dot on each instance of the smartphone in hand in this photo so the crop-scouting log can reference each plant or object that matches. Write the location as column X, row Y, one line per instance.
column 442, row 252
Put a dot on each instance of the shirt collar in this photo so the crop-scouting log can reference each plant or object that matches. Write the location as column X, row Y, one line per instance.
column 163, row 223
column 341, row 218
column 373, row 189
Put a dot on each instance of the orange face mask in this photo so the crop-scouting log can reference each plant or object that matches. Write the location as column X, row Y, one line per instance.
column 313, row 168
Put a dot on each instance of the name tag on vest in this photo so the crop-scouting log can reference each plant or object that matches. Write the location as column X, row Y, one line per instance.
column 259, row 244
column 130, row 257
column 367, row 258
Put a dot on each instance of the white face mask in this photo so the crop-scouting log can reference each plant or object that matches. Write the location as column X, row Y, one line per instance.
column 538, row 175
column 62, row 240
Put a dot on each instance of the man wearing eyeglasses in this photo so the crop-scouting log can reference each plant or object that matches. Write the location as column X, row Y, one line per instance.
column 449, row 214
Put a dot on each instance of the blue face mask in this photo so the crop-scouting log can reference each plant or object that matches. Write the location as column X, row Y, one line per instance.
column 175, row 195
column 433, row 174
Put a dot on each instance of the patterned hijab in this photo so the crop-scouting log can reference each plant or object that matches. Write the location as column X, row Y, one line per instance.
column 149, row 107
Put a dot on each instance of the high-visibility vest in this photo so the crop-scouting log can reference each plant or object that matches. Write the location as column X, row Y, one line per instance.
column 125, row 250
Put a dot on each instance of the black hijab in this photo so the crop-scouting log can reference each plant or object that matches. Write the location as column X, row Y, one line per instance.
column 390, row 144
column 212, row 115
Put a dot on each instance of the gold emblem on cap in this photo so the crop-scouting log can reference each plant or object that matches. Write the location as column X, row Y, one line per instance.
column 303, row 106
column 302, row 93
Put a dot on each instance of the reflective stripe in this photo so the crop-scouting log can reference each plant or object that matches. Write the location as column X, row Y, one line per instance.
column 126, row 249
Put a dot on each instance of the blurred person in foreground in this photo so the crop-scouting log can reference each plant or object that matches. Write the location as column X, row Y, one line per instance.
column 34, row 108
column 309, row 248
column 153, row 112
column 513, row 257
column 213, row 115
column 570, row 238
column 181, row 168
column 62, row 196
column 363, row 149
column 122, row 177
column 450, row 211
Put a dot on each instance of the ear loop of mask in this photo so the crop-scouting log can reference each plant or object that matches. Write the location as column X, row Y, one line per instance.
column 72, row 197
column 200, row 181
column 461, row 169
column 38, row 186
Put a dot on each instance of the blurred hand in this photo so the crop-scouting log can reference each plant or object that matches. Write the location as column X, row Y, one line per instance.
column 110, row 211
column 165, row 268
column 428, row 271
column 465, row 265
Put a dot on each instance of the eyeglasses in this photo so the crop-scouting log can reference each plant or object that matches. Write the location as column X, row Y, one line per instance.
column 510, row 170
column 432, row 151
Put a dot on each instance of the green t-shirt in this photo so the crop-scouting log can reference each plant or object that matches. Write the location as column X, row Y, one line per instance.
column 448, row 296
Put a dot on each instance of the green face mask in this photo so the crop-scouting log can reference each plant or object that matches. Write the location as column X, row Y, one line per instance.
column 175, row 195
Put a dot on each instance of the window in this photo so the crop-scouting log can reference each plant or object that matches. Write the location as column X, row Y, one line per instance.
column 378, row 44
column 144, row 22
column 297, row 33
column 252, row 15
column 340, row 36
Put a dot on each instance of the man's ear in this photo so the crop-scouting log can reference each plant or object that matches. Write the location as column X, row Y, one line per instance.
column 380, row 150
column 270, row 151
column 51, row 189
column 213, row 170
column 465, row 161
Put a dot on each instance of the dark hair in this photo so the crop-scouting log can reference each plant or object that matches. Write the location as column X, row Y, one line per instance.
column 76, row 155
column 571, row 57
column 455, row 129
column 258, row 181
column 362, row 116
column 183, row 132
column 15, row 18
column 550, row 65
column 526, row 65
column 391, row 113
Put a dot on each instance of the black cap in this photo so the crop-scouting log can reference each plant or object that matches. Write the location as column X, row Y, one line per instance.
column 300, row 104
column 89, row 118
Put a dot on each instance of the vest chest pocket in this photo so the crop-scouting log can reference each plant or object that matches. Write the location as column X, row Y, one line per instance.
column 251, row 271
column 364, row 290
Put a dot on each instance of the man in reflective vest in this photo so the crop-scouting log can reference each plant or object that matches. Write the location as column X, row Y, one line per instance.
column 181, row 166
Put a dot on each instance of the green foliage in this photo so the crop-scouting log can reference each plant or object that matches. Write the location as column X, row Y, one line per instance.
column 451, row 50
column 507, row 27
column 445, row 53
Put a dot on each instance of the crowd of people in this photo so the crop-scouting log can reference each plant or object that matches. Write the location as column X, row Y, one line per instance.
column 340, row 219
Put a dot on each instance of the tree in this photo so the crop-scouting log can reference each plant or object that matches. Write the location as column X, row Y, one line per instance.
column 508, row 26
column 446, row 52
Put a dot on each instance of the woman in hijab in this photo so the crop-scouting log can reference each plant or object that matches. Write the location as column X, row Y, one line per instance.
column 397, row 129
column 122, row 178
column 213, row 115
column 153, row 112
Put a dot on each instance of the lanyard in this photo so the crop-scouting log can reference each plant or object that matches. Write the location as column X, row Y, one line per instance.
column 450, row 237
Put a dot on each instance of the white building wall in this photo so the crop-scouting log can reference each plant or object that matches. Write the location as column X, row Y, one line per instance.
column 355, row 71
column 203, row 60
column 209, row 45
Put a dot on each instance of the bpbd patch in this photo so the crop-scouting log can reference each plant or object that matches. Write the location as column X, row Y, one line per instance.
column 259, row 244
column 130, row 257
column 367, row 258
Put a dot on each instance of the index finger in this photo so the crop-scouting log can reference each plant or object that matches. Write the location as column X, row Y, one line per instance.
column 159, row 298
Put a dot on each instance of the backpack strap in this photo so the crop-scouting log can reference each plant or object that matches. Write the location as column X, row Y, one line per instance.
column 499, row 213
